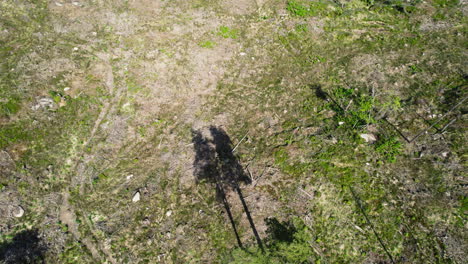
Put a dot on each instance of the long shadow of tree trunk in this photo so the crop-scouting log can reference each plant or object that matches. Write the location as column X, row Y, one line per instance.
column 215, row 162
column 206, row 168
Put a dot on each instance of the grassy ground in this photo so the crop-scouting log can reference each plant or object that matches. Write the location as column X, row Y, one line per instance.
column 348, row 116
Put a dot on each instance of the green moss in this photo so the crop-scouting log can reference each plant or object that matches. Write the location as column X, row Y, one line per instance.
column 312, row 8
column 227, row 32
column 389, row 148
column 207, row 44
column 11, row 107
column 13, row 133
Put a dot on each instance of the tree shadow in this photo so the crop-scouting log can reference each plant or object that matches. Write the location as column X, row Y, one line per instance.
column 216, row 163
column 279, row 231
column 25, row 247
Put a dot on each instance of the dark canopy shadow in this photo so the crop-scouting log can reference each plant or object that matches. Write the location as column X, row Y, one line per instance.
column 279, row 231
column 216, row 163
column 26, row 247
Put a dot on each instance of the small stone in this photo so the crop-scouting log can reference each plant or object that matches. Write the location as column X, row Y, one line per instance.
column 340, row 123
column 66, row 89
column 242, row 53
column 58, row 4
column 129, row 177
column 368, row 137
column 18, row 212
column 444, row 154
column 146, row 221
column 75, row 48
column 168, row 213
column 44, row 103
column 136, row 197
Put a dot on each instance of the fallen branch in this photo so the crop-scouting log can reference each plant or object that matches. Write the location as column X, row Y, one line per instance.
column 234, row 149
column 440, row 119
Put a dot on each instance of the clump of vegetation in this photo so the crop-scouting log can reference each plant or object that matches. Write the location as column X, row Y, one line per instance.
column 352, row 107
column 389, row 148
column 227, row 32
column 287, row 242
column 207, row 44
column 308, row 8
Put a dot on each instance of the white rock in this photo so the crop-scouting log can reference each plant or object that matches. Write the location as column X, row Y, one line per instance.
column 368, row 137
column 58, row 4
column 340, row 123
column 43, row 103
column 146, row 222
column 18, row 212
column 242, row 53
column 136, row 197
column 66, row 89
column 129, row 177
column 444, row 154
column 168, row 213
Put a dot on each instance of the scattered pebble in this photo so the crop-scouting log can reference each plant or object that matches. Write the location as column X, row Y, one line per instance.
column 66, row 89
column 58, row 4
column 75, row 48
column 129, row 177
column 444, row 154
column 136, row 197
column 340, row 123
column 242, row 53
column 368, row 137
column 44, row 103
column 168, row 213
column 146, row 221
column 18, row 212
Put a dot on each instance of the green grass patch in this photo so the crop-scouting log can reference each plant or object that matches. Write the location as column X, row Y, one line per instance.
column 207, row 44
column 227, row 32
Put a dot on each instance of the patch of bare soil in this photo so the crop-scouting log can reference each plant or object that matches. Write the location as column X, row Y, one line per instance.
column 153, row 69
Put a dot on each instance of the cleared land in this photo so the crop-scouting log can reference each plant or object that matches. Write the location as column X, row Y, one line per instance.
column 204, row 131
